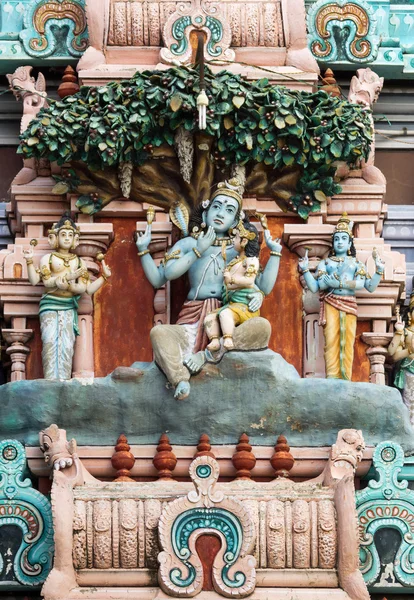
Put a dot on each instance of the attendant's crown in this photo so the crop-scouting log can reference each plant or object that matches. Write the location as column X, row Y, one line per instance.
column 64, row 223
column 344, row 225
column 232, row 188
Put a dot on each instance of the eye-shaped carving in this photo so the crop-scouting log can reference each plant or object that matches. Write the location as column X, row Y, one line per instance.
column 276, row 524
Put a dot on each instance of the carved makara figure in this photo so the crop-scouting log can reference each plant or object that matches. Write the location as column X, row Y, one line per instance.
column 179, row 349
column 32, row 92
column 401, row 349
column 338, row 278
column 65, row 278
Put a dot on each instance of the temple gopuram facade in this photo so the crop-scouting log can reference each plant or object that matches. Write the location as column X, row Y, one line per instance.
column 206, row 299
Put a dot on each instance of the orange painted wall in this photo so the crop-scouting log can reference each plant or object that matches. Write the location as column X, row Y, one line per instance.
column 124, row 306
column 124, row 310
column 283, row 307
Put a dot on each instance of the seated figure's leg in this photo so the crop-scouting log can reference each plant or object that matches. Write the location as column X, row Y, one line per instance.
column 212, row 329
column 228, row 323
column 169, row 343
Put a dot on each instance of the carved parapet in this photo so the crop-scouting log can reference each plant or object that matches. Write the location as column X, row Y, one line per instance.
column 272, row 534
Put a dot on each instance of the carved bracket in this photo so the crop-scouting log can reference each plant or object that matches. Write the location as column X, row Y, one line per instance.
column 343, row 30
column 206, row 17
column 205, row 511
column 44, row 22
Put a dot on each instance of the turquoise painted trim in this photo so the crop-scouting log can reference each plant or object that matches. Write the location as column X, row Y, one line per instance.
column 31, row 32
column 386, row 503
column 29, row 510
column 217, row 519
column 390, row 35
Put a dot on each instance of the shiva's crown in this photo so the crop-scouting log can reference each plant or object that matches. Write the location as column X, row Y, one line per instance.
column 344, row 225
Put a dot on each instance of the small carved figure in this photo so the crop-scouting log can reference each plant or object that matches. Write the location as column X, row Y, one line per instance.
column 179, row 349
column 401, row 349
column 33, row 94
column 338, row 278
column 65, row 278
column 239, row 276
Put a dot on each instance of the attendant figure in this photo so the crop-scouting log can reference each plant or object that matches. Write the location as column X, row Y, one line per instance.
column 239, row 281
column 401, row 349
column 338, row 278
column 65, row 278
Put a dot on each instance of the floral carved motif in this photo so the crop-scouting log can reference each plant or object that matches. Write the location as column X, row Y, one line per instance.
column 355, row 21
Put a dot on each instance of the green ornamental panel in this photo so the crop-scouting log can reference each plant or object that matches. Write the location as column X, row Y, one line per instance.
column 386, row 520
column 26, row 549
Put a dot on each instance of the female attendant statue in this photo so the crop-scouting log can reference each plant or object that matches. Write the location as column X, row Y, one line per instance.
column 65, row 278
column 338, row 278
column 239, row 281
column 401, row 349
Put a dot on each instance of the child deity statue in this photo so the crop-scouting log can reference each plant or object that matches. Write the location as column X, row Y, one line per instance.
column 66, row 278
column 338, row 278
column 239, row 281
column 401, row 349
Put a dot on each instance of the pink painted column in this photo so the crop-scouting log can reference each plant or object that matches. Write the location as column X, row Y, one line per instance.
column 83, row 358
column 17, row 350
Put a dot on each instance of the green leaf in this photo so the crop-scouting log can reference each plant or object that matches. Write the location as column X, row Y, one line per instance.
column 291, row 120
column 320, row 196
column 336, row 148
column 102, row 146
column 53, row 146
column 280, row 123
column 238, row 101
column 288, row 160
column 303, row 212
column 32, row 141
column 176, row 102
column 45, row 121
column 60, row 188
column 249, row 141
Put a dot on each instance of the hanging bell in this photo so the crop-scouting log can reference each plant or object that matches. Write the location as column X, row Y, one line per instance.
column 202, row 103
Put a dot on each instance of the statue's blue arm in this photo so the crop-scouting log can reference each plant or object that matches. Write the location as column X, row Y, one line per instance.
column 371, row 283
column 266, row 280
column 176, row 267
column 154, row 274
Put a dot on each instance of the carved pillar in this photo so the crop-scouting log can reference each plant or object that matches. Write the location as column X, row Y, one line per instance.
column 17, row 350
column 377, row 353
column 315, row 238
column 95, row 238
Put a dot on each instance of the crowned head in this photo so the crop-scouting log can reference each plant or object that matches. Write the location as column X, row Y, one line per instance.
column 342, row 238
column 224, row 209
column 246, row 237
column 64, row 234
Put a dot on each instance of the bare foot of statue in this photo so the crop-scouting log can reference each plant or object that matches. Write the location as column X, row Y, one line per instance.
column 182, row 391
column 214, row 345
column 228, row 343
column 195, row 362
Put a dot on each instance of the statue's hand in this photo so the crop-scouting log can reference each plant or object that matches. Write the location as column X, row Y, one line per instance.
column 205, row 240
column 144, row 239
column 331, row 281
column 106, row 270
column 62, row 283
column 256, row 301
column 304, row 263
column 75, row 275
column 29, row 253
column 274, row 245
column 379, row 263
column 399, row 325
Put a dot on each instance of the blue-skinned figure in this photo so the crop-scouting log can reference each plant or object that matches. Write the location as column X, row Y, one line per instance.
column 179, row 348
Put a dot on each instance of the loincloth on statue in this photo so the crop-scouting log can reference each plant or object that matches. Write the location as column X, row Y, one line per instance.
column 193, row 313
column 346, row 304
column 241, row 312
